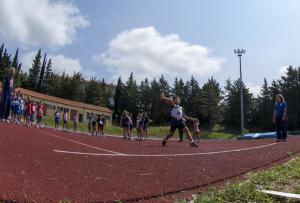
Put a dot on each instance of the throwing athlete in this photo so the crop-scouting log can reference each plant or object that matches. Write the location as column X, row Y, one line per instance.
column 177, row 120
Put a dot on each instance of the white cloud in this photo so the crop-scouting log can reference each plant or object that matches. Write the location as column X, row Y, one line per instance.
column 60, row 63
column 254, row 89
column 40, row 22
column 283, row 70
column 147, row 53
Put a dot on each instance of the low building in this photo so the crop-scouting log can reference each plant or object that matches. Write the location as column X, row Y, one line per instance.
column 51, row 104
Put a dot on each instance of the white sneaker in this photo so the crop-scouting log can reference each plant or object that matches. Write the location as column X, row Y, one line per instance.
column 7, row 121
column 3, row 120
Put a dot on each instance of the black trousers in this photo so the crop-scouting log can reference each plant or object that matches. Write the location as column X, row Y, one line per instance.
column 6, row 103
column 281, row 128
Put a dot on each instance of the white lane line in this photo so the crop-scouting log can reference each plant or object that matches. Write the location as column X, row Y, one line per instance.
column 86, row 153
column 282, row 194
column 164, row 155
column 80, row 143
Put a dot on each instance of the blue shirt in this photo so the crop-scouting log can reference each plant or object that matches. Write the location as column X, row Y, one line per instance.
column 279, row 108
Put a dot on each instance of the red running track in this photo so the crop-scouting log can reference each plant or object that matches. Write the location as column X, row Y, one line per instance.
column 89, row 169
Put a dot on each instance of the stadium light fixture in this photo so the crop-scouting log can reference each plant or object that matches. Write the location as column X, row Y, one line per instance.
column 239, row 53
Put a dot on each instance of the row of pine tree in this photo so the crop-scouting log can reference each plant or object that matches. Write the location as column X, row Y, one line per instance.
column 41, row 78
column 209, row 102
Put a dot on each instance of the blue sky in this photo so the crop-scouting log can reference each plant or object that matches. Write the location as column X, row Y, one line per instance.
column 109, row 38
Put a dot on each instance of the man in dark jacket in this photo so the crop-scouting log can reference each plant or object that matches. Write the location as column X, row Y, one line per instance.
column 7, row 93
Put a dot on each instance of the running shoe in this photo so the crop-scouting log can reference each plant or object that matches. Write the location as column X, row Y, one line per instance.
column 164, row 142
column 193, row 144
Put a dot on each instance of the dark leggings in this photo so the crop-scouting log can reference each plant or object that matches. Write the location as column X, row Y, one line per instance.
column 281, row 128
column 5, row 109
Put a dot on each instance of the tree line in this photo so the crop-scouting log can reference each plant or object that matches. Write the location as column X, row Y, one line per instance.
column 41, row 78
column 209, row 102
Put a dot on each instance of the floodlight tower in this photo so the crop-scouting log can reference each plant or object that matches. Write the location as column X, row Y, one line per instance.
column 239, row 53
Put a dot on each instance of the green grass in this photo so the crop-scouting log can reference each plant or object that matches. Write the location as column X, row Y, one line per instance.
column 285, row 178
column 153, row 131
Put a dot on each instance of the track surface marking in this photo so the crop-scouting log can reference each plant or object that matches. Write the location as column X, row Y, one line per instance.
column 86, row 145
column 30, row 171
column 164, row 155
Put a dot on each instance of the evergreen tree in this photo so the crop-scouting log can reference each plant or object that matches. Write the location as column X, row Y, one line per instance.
column 144, row 96
column 76, row 89
column 15, row 62
column 64, row 90
column 45, row 85
column 24, row 79
column 103, row 96
column 109, row 95
column 160, row 112
column 157, row 114
column 1, row 51
column 179, row 88
column 186, row 95
column 93, row 92
column 192, row 105
column 34, row 71
column 232, row 104
column 17, row 66
column 54, row 85
column 1, row 56
column 5, row 65
column 117, row 100
column 42, row 74
column 129, row 98
column 274, row 89
column 290, row 88
column 210, row 100
column 265, row 107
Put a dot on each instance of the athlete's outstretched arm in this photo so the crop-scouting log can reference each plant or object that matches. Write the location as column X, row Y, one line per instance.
column 188, row 118
column 165, row 99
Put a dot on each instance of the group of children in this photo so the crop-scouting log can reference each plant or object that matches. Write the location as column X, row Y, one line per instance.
column 142, row 123
column 25, row 109
column 96, row 125
column 17, row 107
column 33, row 110
column 65, row 120
column 13, row 108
